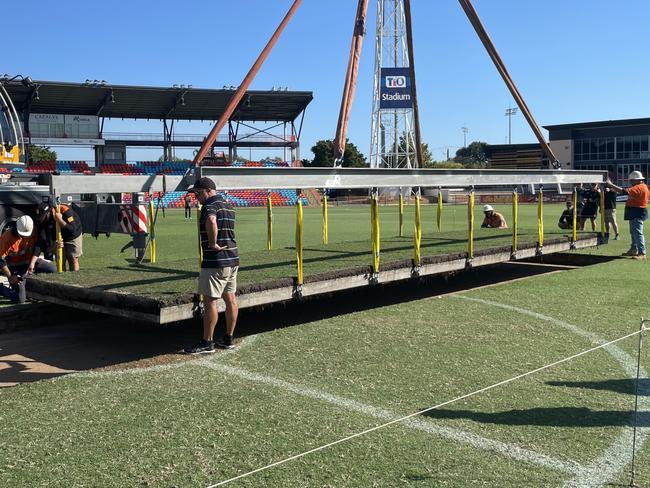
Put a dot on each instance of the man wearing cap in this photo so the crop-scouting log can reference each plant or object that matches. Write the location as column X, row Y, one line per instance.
column 218, row 276
column 20, row 249
column 636, row 212
column 71, row 231
column 493, row 220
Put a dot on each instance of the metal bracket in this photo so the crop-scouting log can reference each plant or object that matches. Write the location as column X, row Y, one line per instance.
column 468, row 262
column 415, row 271
column 539, row 250
column 297, row 292
column 373, row 278
column 513, row 256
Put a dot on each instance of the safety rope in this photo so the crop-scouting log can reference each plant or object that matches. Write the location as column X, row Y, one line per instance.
column 417, row 236
column 439, row 213
column 374, row 231
column 470, row 224
column 59, row 241
column 515, row 220
column 642, row 328
column 540, row 219
column 401, row 214
column 326, row 231
column 299, row 229
column 421, row 412
column 574, row 220
column 269, row 223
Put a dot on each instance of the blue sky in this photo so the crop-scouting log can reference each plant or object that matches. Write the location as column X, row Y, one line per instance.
column 573, row 60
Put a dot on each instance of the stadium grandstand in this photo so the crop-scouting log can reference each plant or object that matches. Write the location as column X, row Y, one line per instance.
column 74, row 115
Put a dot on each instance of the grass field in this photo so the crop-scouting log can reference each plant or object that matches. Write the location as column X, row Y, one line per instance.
column 288, row 390
column 350, row 245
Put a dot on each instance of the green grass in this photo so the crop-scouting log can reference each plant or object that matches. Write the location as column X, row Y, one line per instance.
column 192, row 426
column 350, row 245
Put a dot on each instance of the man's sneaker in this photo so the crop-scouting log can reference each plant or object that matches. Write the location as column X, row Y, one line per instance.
column 202, row 347
column 640, row 257
column 617, row 237
column 226, row 343
column 631, row 252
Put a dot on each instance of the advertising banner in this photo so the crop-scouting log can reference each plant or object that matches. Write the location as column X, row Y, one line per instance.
column 395, row 91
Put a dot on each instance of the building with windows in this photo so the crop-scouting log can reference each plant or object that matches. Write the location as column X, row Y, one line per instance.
column 616, row 146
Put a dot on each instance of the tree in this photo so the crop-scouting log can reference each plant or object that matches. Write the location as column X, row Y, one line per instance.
column 449, row 164
column 472, row 156
column 40, row 153
column 174, row 159
column 426, row 153
column 324, row 155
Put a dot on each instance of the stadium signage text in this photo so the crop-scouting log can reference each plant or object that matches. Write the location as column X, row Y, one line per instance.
column 395, row 90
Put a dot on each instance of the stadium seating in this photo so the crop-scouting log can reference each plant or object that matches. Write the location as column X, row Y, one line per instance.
column 60, row 166
column 238, row 198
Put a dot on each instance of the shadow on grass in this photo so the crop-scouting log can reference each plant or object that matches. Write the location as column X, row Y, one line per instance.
column 548, row 417
column 618, row 386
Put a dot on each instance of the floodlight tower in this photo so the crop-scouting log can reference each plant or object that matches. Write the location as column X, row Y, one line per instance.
column 392, row 131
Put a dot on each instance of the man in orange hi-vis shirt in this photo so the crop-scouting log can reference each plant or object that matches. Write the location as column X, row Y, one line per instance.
column 20, row 248
column 636, row 212
column 493, row 220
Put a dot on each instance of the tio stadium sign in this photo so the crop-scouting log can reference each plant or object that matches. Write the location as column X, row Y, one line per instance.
column 395, row 89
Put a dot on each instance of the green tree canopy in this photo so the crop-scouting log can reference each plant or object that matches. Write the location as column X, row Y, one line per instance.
column 40, row 153
column 324, row 155
column 472, row 156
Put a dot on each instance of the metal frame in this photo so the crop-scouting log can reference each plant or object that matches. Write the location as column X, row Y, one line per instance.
column 228, row 178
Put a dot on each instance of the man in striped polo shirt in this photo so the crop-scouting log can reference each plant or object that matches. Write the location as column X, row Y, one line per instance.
column 218, row 277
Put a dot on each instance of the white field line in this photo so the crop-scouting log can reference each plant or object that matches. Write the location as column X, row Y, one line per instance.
column 245, row 343
column 508, row 450
column 619, row 454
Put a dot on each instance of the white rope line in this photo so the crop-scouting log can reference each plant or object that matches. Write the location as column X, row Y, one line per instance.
column 392, row 422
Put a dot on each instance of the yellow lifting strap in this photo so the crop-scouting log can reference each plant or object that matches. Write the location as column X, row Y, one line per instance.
column 574, row 222
column 269, row 223
column 401, row 215
column 152, row 233
column 540, row 218
column 417, row 237
column 198, row 228
column 470, row 223
column 439, row 215
column 299, row 229
column 374, row 224
column 603, row 230
column 326, row 231
column 59, row 244
column 515, row 220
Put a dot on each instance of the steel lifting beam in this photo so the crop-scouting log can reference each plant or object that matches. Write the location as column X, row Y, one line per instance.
column 279, row 178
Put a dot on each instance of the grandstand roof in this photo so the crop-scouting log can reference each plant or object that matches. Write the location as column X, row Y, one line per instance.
column 142, row 102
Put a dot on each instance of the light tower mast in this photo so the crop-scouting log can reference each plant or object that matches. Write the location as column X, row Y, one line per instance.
column 393, row 123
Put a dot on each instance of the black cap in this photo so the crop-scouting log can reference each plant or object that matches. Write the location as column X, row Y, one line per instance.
column 204, row 183
column 44, row 209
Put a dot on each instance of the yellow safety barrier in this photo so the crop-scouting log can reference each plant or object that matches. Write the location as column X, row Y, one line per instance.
column 401, row 215
column 326, row 238
column 540, row 218
column 374, row 224
column 574, row 223
column 299, row 228
column 417, row 238
column 152, row 234
column 269, row 223
column 198, row 228
column 603, row 230
column 515, row 220
column 59, row 244
column 439, row 215
column 470, row 222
